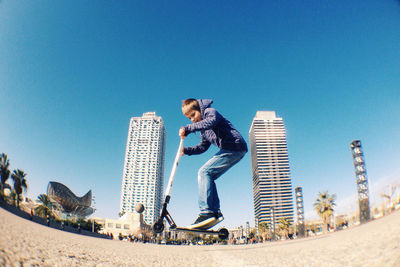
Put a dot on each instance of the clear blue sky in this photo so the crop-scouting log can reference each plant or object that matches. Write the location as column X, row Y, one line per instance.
column 72, row 73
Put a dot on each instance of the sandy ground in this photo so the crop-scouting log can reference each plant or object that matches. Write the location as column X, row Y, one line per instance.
column 24, row 243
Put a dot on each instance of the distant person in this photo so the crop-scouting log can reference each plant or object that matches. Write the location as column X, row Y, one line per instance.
column 217, row 130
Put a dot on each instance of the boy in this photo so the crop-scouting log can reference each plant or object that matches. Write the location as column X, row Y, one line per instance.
column 214, row 129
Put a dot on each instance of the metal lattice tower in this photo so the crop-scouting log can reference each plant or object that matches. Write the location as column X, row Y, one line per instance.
column 361, row 180
column 300, row 211
column 247, row 229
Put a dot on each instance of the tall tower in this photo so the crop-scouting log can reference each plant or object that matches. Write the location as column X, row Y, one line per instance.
column 361, row 180
column 143, row 175
column 272, row 186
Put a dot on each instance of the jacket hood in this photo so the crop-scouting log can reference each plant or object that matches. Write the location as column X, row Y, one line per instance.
column 204, row 103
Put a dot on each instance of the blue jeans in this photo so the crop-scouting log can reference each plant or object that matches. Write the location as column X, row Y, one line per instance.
column 211, row 171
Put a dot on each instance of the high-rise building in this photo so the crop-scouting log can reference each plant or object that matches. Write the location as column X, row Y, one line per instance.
column 272, row 186
column 143, row 175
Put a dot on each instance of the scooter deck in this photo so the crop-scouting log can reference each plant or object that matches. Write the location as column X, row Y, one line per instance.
column 184, row 229
column 222, row 233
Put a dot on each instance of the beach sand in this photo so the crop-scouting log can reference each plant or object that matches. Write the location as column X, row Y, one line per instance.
column 25, row 243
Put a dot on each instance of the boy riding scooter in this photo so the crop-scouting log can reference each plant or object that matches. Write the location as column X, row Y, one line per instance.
column 217, row 130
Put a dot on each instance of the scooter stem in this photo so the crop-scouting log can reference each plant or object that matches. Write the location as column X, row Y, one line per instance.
column 173, row 171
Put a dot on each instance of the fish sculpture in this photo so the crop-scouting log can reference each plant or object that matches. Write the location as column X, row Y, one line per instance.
column 70, row 203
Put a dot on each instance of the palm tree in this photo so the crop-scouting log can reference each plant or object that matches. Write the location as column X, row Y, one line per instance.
column 12, row 198
column 324, row 206
column 389, row 196
column 263, row 228
column 20, row 184
column 46, row 206
column 4, row 172
column 283, row 226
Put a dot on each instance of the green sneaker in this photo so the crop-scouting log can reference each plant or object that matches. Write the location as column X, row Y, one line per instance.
column 218, row 218
column 206, row 221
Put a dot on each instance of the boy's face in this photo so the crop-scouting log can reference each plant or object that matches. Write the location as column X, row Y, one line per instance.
column 193, row 115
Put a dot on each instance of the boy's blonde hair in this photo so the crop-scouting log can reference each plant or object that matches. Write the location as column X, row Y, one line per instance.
column 189, row 105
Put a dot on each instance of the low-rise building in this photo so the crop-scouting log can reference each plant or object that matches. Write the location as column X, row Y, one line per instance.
column 131, row 223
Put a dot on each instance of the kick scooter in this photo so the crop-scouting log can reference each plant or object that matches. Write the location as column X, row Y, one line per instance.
column 158, row 226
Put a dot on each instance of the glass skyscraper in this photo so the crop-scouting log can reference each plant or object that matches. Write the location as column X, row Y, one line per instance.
column 272, row 186
column 143, row 173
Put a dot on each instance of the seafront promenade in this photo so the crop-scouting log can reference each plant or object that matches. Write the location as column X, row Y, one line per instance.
column 25, row 243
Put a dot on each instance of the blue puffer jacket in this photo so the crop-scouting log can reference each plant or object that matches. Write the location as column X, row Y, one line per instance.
column 214, row 129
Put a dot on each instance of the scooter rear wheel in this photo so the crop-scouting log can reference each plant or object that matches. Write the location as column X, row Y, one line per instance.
column 223, row 233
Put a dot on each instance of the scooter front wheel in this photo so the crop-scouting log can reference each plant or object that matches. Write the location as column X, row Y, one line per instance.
column 158, row 227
